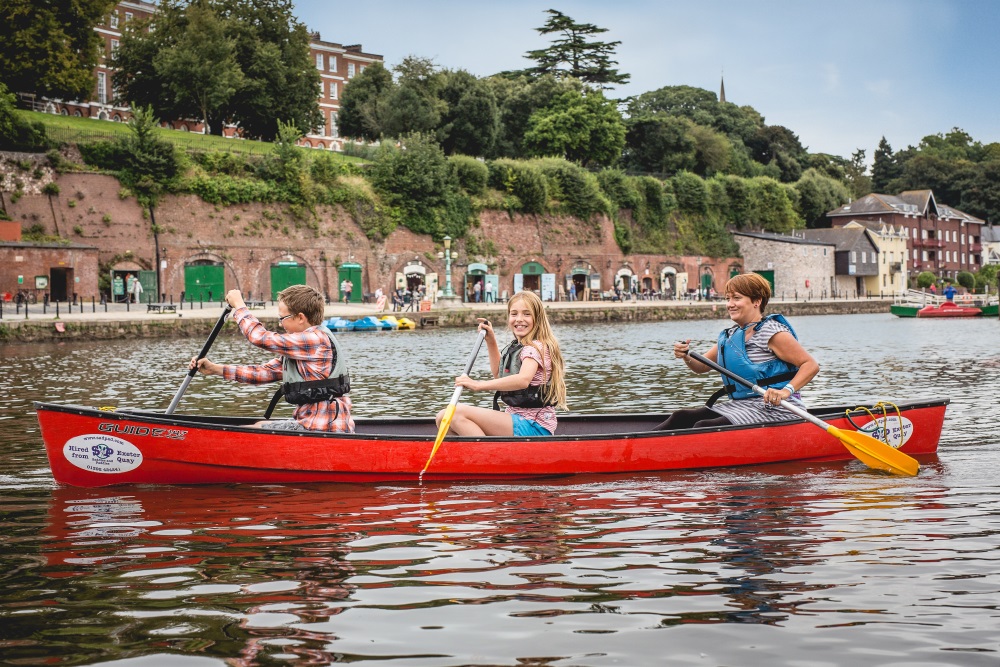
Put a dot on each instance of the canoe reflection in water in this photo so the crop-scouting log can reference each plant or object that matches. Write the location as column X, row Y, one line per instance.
column 328, row 571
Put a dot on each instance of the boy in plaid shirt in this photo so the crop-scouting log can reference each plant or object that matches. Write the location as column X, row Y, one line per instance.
column 310, row 363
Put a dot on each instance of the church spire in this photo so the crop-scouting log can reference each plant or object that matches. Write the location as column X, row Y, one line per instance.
column 722, row 88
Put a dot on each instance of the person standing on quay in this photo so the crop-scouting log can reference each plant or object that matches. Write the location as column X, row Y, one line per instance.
column 762, row 349
column 136, row 290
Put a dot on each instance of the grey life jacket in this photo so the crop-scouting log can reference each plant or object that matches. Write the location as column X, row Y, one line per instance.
column 299, row 392
column 532, row 396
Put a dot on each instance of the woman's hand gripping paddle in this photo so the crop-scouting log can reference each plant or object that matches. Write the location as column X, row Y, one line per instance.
column 449, row 412
column 873, row 453
column 201, row 355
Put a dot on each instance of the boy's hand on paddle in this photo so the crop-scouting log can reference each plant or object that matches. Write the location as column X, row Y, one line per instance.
column 205, row 366
column 235, row 299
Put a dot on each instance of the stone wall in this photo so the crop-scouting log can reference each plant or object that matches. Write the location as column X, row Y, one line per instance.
column 247, row 239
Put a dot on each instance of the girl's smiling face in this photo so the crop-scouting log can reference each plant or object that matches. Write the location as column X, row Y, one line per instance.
column 519, row 318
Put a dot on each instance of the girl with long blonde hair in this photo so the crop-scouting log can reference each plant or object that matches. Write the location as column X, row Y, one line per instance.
column 528, row 376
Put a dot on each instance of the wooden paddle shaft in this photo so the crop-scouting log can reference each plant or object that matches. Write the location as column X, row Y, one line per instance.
column 201, row 355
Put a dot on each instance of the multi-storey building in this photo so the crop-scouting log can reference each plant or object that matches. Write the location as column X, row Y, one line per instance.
column 941, row 239
column 337, row 64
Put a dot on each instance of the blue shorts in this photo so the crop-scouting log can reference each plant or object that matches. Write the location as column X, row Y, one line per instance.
column 524, row 426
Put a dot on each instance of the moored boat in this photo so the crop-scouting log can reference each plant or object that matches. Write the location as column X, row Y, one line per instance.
column 949, row 309
column 915, row 303
column 92, row 447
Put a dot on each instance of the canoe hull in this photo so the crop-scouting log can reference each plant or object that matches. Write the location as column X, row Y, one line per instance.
column 89, row 447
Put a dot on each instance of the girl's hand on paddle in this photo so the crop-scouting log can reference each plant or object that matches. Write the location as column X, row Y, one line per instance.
column 235, row 299
column 681, row 348
column 468, row 383
column 487, row 326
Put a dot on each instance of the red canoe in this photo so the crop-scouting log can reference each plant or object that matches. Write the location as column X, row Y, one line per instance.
column 90, row 447
column 949, row 309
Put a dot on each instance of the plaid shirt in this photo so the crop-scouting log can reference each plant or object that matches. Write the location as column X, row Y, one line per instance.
column 312, row 350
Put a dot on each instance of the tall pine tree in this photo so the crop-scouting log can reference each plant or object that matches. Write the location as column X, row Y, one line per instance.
column 571, row 54
column 885, row 167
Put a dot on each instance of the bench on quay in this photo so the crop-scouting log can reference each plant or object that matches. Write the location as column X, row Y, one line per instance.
column 428, row 321
column 255, row 304
column 161, row 308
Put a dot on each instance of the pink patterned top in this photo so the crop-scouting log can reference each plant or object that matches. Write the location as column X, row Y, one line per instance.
column 546, row 417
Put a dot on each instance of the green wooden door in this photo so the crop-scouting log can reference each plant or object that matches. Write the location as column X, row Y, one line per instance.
column 148, row 281
column 769, row 275
column 352, row 272
column 204, row 282
column 286, row 274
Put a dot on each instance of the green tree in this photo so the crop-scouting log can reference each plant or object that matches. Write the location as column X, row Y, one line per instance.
column 776, row 144
column 470, row 121
column 817, row 195
column 925, row 279
column 280, row 79
column 885, row 168
column 200, row 68
column 581, row 127
column 51, row 48
column 150, row 167
column 701, row 107
column 15, row 133
column 856, row 175
column 364, row 103
column 517, row 100
column 571, row 54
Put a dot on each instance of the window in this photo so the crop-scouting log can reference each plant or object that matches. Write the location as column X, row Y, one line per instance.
column 914, row 255
column 128, row 16
column 102, row 87
column 114, row 47
column 864, row 257
column 333, row 63
column 963, row 238
column 854, row 257
column 319, row 61
column 925, row 255
column 963, row 258
column 350, row 70
column 914, row 232
column 947, row 255
column 114, row 19
column 333, row 91
column 923, row 233
column 333, row 124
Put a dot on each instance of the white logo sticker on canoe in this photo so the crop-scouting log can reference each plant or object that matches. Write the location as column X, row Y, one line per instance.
column 899, row 430
column 98, row 452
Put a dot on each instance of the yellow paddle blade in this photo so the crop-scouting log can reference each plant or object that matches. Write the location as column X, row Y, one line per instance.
column 449, row 414
column 875, row 453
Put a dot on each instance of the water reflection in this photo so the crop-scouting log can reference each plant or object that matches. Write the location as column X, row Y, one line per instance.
column 774, row 564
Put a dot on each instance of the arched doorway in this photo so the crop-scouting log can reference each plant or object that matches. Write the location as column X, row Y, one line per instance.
column 285, row 274
column 204, row 280
column 530, row 277
column 476, row 275
column 624, row 280
column 577, row 288
column 668, row 282
column 706, row 282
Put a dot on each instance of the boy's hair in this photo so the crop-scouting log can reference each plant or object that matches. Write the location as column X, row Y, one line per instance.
column 751, row 285
column 303, row 299
column 541, row 331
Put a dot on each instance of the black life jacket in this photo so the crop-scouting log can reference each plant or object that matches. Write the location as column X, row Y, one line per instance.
column 300, row 392
column 532, row 396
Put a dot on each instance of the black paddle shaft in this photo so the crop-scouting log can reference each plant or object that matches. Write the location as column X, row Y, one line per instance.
column 201, row 355
column 716, row 367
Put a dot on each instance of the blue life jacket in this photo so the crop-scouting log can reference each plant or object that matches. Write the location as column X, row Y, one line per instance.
column 733, row 356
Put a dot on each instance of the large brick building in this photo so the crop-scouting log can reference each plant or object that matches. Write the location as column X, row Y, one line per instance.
column 337, row 64
column 941, row 239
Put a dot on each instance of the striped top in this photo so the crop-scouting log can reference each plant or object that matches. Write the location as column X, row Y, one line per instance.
column 546, row 417
column 754, row 410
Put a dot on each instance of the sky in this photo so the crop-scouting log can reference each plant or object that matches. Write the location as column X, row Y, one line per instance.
column 840, row 74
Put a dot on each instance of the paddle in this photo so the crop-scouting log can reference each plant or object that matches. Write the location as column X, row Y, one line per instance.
column 873, row 453
column 201, row 355
column 449, row 412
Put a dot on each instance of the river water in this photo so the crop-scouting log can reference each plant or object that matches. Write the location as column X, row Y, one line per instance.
column 793, row 564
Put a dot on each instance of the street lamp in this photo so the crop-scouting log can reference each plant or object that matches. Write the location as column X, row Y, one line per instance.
column 447, row 268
